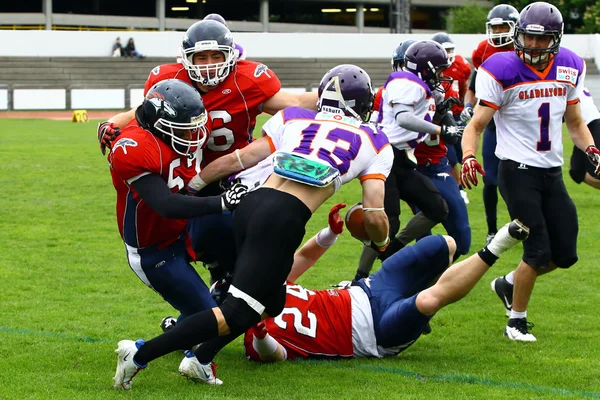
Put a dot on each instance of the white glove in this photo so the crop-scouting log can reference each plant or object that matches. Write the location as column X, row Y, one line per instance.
column 467, row 113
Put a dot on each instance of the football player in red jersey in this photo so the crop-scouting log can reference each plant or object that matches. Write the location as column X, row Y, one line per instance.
column 234, row 91
column 500, row 28
column 151, row 162
column 379, row 316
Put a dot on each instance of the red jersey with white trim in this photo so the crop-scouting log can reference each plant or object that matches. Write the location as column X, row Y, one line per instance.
column 431, row 151
column 377, row 115
column 484, row 50
column 137, row 153
column 460, row 72
column 233, row 105
column 313, row 324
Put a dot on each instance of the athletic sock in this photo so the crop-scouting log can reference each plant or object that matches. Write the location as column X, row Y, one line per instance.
column 194, row 329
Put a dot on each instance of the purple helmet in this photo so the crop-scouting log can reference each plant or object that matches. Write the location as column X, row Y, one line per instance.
column 398, row 56
column 215, row 17
column 538, row 19
column 427, row 59
column 448, row 44
column 346, row 89
column 502, row 14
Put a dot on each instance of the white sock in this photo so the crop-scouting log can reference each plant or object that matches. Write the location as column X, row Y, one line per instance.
column 326, row 238
column 266, row 346
column 510, row 277
column 518, row 314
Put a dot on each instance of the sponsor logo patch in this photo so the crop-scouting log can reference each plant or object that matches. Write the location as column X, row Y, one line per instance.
column 567, row 74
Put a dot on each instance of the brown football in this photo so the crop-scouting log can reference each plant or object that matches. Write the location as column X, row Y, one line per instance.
column 355, row 222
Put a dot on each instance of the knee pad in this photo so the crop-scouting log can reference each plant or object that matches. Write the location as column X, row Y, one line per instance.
column 274, row 306
column 238, row 314
column 439, row 212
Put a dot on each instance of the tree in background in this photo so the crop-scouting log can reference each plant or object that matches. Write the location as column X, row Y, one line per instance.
column 581, row 16
column 469, row 18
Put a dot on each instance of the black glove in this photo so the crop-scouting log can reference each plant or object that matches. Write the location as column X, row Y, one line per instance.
column 452, row 134
column 107, row 133
column 233, row 196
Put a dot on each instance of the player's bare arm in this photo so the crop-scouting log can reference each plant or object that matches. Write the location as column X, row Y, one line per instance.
column 239, row 160
column 283, row 99
column 579, row 131
column 470, row 140
column 376, row 222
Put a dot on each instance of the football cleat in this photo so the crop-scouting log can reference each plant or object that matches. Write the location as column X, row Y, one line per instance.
column 507, row 237
column 127, row 369
column 168, row 323
column 489, row 238
column 517, row 329
column 192, row 369
column 504, row 290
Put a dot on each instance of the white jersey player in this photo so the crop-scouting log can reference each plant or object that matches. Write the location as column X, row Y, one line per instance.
column 528, row 92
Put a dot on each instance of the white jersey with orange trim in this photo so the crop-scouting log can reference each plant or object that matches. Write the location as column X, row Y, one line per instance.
column 405, row 88
column 589, row 111
column 354, row 148
column 530, row 104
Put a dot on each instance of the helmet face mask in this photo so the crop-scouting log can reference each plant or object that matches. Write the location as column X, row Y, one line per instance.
column 505, row 17
column 538, row 33
column 174, row 111
column 346, row 90
column 207, row 36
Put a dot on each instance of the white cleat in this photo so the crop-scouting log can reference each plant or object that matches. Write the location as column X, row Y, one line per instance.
column 507, row 237
column 126, row 368
column 517, row 329
column 192, row 369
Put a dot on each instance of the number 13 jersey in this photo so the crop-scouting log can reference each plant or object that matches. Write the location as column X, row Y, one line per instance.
column 354, row 148
column 530, row 104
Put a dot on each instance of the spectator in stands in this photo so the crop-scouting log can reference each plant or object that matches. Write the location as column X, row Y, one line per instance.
column 117, row 50
column 130, row 50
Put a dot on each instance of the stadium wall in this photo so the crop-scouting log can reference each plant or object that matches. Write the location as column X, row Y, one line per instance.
column 259, row 45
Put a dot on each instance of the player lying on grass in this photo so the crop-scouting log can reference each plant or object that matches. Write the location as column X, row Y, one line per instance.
column 381, row 315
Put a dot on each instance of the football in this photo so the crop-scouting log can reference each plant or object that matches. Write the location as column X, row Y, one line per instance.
column 355, row 222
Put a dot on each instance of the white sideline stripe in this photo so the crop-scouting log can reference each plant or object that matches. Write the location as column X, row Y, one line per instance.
column 255, row 305
column 136, row 265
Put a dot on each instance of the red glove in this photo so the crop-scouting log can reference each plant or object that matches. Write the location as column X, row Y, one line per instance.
column 594, row 156
column 469, row 170
column 107, row 132
column 336, row 224
column 259, row 330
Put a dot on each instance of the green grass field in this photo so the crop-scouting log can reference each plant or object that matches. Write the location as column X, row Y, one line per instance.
column 68, row 296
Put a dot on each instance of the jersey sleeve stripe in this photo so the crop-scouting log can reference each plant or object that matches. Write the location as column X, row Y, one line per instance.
column 271, row 145
column 372, row 176
column 135, row 178
column 574, row 101
column 490, row 104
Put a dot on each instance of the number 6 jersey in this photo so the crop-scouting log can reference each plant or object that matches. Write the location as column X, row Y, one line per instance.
column 530, row 104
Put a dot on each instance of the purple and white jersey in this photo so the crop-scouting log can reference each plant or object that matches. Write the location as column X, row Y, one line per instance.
column 589, row 111
column 408, row 89
column 354, row 148
column 530, row 104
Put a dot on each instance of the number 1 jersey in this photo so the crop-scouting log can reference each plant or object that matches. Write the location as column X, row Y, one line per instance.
column 530, row 104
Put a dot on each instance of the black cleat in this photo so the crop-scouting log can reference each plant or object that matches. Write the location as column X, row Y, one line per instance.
column 504, row 290
column 168, row 323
